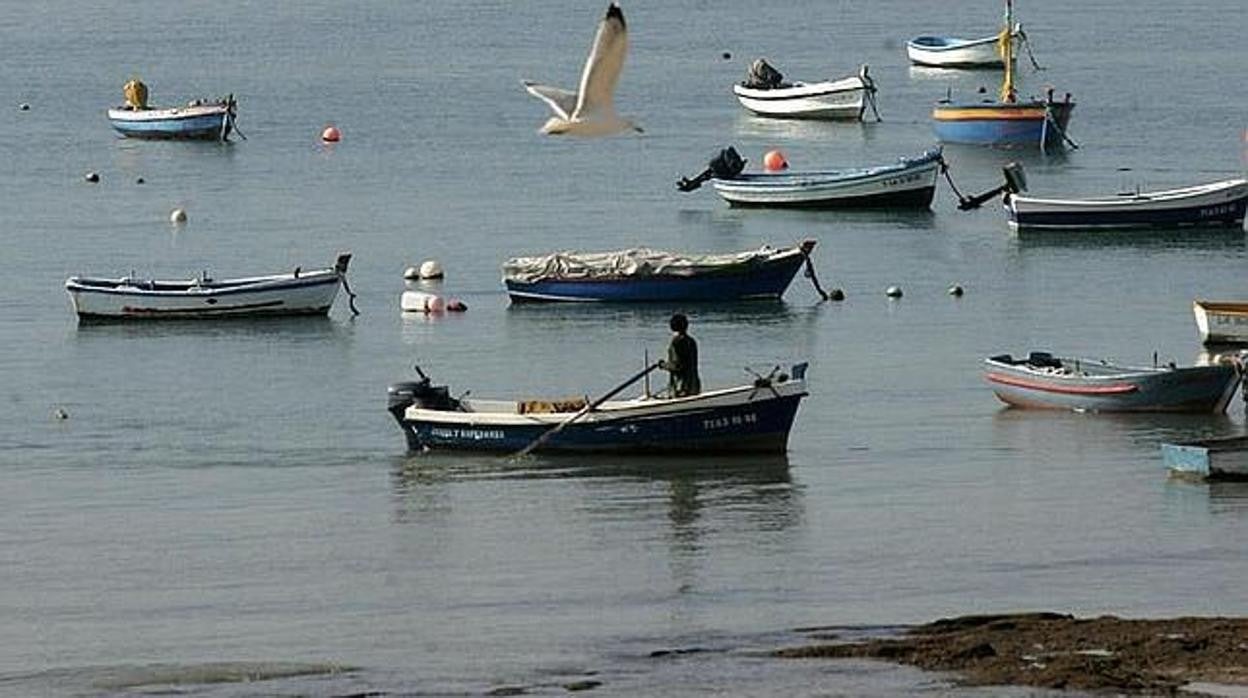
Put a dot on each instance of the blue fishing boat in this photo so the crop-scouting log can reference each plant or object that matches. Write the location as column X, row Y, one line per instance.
column 910, row 182
column 197, row 120
column 1223, row 458
column 750, row 418
column 645, row 275
column 1007, row 121
column 1042, row 380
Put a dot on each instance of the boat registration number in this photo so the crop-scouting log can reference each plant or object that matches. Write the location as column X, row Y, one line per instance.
column 1219, row 210
column 735, row 420
column 472, row 434
column 903, row 179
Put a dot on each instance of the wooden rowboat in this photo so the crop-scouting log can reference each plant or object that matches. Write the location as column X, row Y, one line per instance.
column 295, row 293
column 1221, row 322
column 845, row 98
column 1042, row 380
column 952, row 52
column 750, row 418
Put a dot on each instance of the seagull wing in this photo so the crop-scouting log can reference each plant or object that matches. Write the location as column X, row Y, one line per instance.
column 562, row 102
column 602, row 69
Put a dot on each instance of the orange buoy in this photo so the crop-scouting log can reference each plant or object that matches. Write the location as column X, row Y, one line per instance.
column 331, row 134
column 774, row 161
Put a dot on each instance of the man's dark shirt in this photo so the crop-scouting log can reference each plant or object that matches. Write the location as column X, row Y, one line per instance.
column 682, row 362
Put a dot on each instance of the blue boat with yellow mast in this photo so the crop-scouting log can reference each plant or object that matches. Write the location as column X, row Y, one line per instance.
column 1007, row 121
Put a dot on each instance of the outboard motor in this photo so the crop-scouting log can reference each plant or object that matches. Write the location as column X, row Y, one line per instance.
column 421, row 393
column 762, row 76
column 725, row 165
column 1015, row 182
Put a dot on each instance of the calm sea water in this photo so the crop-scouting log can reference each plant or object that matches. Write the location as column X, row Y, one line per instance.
column 233, row 499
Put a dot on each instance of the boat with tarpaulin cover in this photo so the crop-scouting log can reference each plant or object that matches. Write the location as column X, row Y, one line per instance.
column 642, row 275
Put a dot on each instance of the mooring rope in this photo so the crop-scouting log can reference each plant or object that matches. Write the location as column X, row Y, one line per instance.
column 810, row 274
column 350, row 294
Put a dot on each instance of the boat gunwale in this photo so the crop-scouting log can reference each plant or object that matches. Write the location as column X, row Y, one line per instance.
column 1160, row 196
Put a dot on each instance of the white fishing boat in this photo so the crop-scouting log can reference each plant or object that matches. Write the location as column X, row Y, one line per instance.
column 199, row 119
column 1221, row 203
column 908, row 183
column 954, row 52
column 297, row 292
column 1222, row 322
column 766, row 94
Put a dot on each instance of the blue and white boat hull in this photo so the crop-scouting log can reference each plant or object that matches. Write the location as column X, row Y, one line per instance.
column 1221, row 204
column 1007, row 125
column 908, row 183
column 1214, row 459
column 645, row 276
column 200, row 122
column 742, row 419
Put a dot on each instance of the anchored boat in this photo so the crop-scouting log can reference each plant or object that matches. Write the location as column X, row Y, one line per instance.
column 1042, row 380
column 295, row 293
column 1220, row 204
column 749, row 418
column 953, row 52
column 1214, row 459
column 197, row 120
column 908, row 183
column 1008, row 121
column 644, row 275
column 1222, row 322
column 765, row 93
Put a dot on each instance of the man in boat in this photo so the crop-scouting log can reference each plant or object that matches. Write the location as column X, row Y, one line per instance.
column 682, row 359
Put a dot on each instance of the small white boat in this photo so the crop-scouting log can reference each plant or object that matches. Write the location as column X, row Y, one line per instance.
column 846, row 98
column 199, row 119
column 1222, row 322
column 952, row 52
column 1219, row 203
column 295, row 293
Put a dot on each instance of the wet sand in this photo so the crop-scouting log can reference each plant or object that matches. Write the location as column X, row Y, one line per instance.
column 1056, row 651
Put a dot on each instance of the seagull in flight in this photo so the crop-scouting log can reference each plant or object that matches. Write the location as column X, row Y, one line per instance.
column 590, row 111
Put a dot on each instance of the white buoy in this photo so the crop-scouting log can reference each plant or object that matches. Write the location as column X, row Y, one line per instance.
column 178, row 216
column 893, row 292
column 91, row 177
column 955, row 291
column 421, row 302
column 411, row 273
column 60, row 413
column 430, row 269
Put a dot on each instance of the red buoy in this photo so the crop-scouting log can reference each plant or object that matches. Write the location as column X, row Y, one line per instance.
column 774, row 161
column 331, row 134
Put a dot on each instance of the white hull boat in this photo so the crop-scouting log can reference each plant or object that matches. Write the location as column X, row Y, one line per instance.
column 952, row 52
column 1219, row 203
column 831, row 99
column 296, row 293
column 1222, row 322
column 908, row 183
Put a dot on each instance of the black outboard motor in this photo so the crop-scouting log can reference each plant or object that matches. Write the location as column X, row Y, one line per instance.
column 762, row 76
column 1015, row 182
column 421, row 393
column 726, row 165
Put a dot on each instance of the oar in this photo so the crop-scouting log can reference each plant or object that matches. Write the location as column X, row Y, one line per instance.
column 536, row 443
